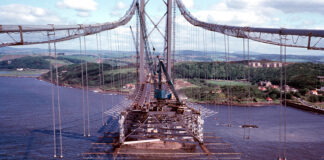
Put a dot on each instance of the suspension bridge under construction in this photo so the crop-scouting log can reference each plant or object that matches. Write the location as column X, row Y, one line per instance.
column 155, row 122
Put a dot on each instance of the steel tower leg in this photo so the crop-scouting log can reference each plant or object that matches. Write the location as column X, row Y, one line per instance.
column 142, row 63
column 169, row 37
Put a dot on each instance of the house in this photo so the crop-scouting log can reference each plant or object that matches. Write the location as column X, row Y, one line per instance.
column 20, row 69
column 322, row 89
column 275, row 87
column 320, row 78
column 100, row 60
column 269, row 99
column 294, row 90
column 130, row 86
column 262, row 88
column 265, row 83
column 313, row 92
column 287, row 88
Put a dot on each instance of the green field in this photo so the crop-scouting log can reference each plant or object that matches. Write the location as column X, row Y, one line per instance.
column 89, row 58
column 227, row 83
column 59, row 62
column 122, row 70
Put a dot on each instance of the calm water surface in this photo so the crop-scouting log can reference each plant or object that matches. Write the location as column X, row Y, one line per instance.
column 26, row 125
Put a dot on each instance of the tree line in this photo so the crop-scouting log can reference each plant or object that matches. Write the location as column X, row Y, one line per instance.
column 299, row 75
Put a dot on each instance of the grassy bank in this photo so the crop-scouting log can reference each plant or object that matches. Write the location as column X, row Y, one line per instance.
column 24, row 73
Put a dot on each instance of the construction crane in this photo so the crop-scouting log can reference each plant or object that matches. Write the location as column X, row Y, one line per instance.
column 159, row 92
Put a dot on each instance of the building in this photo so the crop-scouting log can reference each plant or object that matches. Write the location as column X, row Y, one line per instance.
column 275, row 87
column 265, row 83
column 313, row 92
column 287, row 88
column 130, row 86
column 262, row 88
column 320, row 78
column 265, row 64
column 294, row 90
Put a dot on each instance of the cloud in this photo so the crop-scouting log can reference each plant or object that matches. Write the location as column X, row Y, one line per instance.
column 83, row 7
column 188, row 3
column 237, row 12
column 24, row 14
column 83, row 14
column 296, row 6
column 120, row 5
column 118, row 9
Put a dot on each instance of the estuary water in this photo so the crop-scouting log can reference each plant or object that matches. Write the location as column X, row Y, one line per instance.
column 26, row 124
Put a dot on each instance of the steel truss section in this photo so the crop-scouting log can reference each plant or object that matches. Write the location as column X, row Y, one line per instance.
column 11, row 35
column 300, row 38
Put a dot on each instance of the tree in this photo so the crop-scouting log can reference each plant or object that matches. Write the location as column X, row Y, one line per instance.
column 313, row 98
column 302, row 81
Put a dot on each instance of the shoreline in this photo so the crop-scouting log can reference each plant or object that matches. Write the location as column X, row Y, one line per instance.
column 18, row 76
column 27, row 73
column 257, row 104
column 98, row 90
column 93, row 89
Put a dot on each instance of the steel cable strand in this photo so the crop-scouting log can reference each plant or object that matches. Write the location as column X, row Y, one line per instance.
column 87, row 85
column 244, row 76
column 82, row 86
column 53, row 100
column 285, row 105
column 280, row 113
column 58, row 99
column 249, row 90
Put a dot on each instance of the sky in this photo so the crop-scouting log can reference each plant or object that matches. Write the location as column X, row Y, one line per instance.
column 302, row 14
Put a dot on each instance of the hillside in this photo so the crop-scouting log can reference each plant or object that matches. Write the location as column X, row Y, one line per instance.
column 115, row 78
column 26, row 62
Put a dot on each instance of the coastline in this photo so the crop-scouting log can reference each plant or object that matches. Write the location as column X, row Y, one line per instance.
column 93, row 89
column 18, row 76
column 28, row 73
column 257, row 104
column 99, row 90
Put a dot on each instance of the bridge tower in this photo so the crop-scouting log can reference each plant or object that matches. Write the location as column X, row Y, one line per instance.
column 142, row 74
column 168, row 41
column 169, row 36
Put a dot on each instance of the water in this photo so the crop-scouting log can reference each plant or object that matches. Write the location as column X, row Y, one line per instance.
column 4, row 72
column 305, row 132
column 26, row 119
column 26, row 125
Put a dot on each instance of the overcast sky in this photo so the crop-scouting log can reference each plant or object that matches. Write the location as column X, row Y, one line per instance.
column 255, row 13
